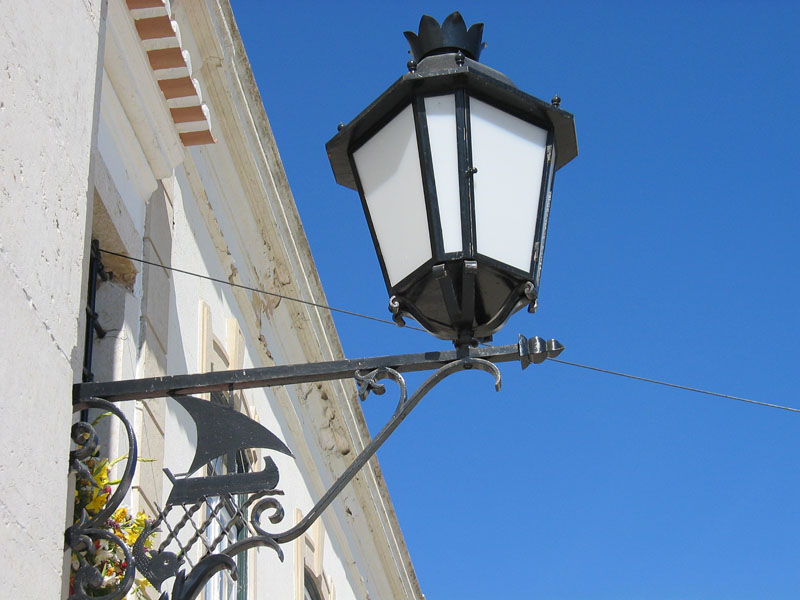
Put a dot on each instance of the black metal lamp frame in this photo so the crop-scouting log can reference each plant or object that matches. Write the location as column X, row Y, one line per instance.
column 461, row 296
column 222, row 430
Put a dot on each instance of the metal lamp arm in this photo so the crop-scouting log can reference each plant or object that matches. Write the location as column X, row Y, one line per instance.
column 526, row 351
column 404, row 407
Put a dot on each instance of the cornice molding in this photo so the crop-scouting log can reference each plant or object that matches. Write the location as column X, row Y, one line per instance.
column 131, row 76
column 171, row 65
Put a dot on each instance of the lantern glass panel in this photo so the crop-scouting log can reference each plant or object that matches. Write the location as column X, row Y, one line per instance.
column 441, row 118
column 391, row 180
column 509, row 154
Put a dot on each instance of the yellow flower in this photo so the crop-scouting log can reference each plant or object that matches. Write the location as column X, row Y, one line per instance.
column 101, row 475
column 127, row 537
column 98, row 502
column 141, row 587
column 120, row 514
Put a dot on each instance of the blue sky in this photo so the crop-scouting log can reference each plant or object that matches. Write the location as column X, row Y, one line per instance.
column 672, row 253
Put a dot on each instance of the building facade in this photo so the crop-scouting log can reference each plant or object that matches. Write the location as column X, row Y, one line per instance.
column 146, row 135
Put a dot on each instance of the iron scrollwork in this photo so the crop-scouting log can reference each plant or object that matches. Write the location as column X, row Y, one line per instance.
column 83, row 536
column 221, row 514
column 82, row 541
column 368, row 382
column 212, row 498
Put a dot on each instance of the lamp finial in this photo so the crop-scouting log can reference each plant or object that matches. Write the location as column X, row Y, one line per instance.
column 450, row 36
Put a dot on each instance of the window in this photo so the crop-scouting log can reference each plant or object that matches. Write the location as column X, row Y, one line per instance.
column 215, row 355
column 310, row 587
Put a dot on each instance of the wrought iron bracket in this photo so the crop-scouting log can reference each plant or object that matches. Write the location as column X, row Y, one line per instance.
column 256, row 491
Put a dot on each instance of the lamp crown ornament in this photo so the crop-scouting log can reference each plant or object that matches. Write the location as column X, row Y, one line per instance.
column 449, row 37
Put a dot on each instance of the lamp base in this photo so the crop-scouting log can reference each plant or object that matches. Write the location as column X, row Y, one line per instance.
column 465, row 301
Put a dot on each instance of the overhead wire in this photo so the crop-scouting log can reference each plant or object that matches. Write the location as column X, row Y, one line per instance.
column 388, row 322
column 259, row 291
column 674, row 385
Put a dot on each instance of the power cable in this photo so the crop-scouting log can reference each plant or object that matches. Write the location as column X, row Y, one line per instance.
column 258, row 291
column 674, row 385
column 386, row 321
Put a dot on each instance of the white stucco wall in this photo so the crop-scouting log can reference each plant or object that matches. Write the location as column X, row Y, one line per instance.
column 225, row 210
column 48, row 58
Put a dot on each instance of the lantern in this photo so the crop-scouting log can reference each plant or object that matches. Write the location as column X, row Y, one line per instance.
column 455, row 168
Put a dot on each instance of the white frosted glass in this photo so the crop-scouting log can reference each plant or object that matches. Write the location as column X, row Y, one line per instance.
column 388, row 167
column 441, row 118
column 509, row 154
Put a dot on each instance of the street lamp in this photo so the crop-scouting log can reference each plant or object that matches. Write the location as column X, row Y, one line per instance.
column 455, row 170
column 455, row 166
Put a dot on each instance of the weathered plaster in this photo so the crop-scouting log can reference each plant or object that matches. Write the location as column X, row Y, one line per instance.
column 46, row 117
